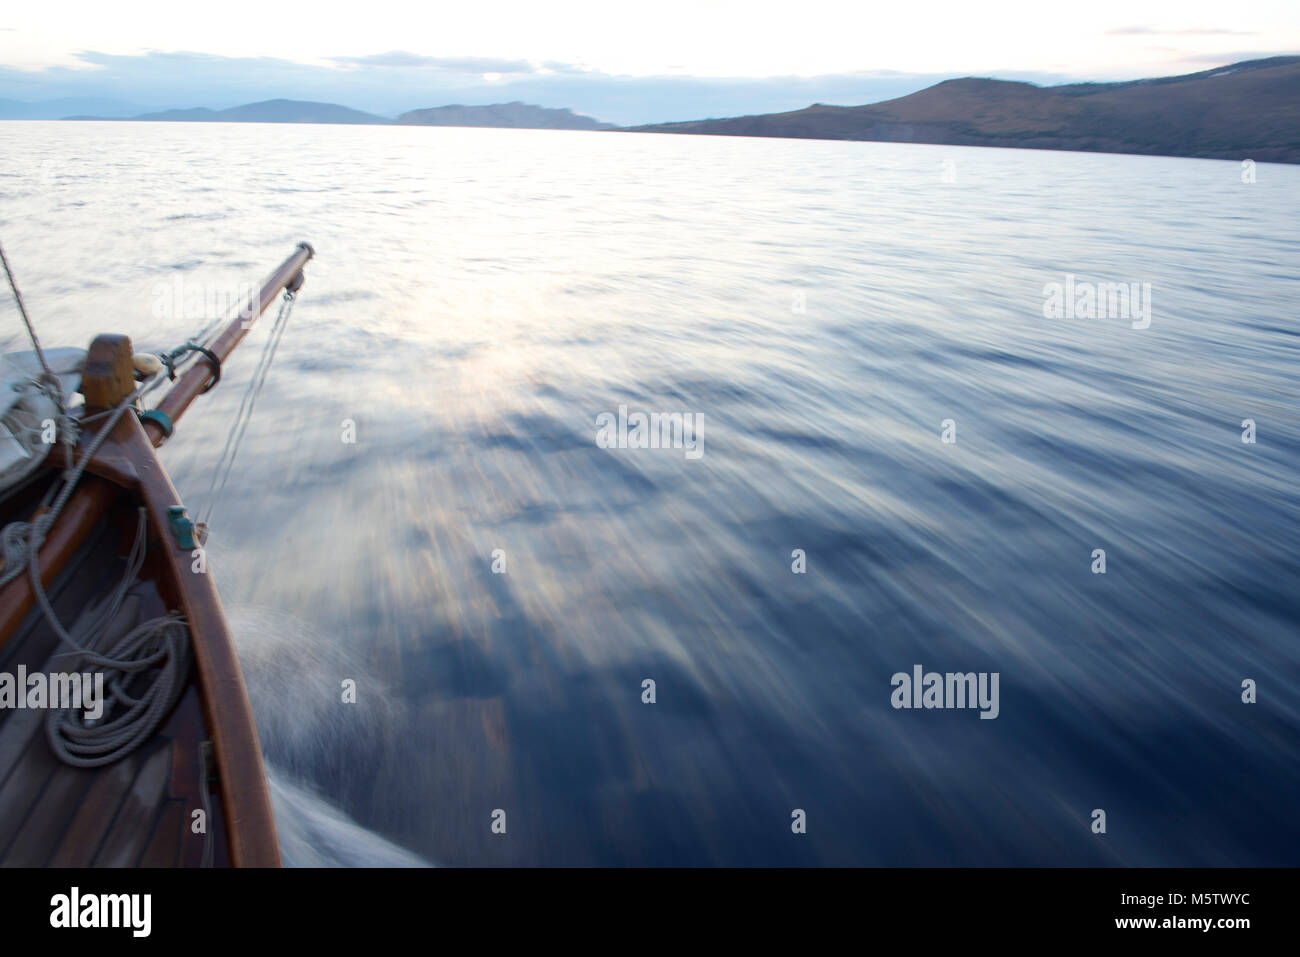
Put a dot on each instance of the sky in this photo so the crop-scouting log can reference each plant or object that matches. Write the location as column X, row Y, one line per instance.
column 620, row 61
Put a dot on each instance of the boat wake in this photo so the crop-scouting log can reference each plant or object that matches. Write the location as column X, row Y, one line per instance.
column 314, row 833
column 313, row 742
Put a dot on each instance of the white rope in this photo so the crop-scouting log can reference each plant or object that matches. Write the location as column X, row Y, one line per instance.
column 160, row 645
column 16, row 536
column 144, row 672
column 20, row 540
column 156, row 654
column 226, row 463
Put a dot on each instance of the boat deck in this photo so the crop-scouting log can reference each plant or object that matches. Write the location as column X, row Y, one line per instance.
column 136, row 812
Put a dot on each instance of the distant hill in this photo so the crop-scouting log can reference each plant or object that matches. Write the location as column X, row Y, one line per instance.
column 507, row 115
column 267, row 111
column 1247, row 110
column 520, row 116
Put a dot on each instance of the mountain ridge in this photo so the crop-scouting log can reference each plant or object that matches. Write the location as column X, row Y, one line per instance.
column 513, row 115
column 1243, row 110
column 263, row 111
column 1246, row 110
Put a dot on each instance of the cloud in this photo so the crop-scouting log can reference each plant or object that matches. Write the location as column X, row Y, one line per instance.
column 1227, row 59
column 400, row 58
column 391, row 83
column 1194, row 32
column 555, row 66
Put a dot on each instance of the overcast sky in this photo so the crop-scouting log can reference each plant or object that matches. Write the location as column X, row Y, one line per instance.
column 619, row 61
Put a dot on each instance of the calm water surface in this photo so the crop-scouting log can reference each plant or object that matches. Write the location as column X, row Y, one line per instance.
column 480, row 296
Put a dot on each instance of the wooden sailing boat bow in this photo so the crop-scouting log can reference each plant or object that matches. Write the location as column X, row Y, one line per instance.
column 210, row 733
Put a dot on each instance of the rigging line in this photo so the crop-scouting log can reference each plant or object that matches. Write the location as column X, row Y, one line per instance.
column 21, row 540
column 225, row 464
column 254, row 391
column 248, row 311
column 22, row 310
column 144, row 671
column 221, row 471
column 140, row 702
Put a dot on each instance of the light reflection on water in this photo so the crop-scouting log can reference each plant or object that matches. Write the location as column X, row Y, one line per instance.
column 480, row 296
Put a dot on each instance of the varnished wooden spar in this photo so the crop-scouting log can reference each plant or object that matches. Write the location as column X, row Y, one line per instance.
column 195, row 379
column 124, row 473
column 108, row 386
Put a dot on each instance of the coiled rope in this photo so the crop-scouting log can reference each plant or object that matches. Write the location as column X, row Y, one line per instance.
column 160, row 645
column 144, row 671
column 127, row 720
column 129, row 716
